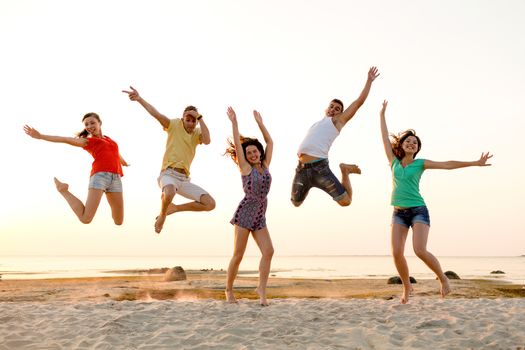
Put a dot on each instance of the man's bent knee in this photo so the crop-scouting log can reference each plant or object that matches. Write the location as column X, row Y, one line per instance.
column 208, row 202
column 345, row 201
column 169, row 191
column 296, row 204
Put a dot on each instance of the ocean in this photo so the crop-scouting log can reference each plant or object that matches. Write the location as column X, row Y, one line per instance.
column 325, row 267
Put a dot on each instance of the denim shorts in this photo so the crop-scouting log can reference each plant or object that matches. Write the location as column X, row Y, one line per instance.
column 409, row 216
column 316, row 174
column 105, row 181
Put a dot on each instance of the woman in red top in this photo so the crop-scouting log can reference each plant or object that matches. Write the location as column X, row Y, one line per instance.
column 105, row 173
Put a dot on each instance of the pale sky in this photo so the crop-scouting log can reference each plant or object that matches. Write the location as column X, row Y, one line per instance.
column 452, row 70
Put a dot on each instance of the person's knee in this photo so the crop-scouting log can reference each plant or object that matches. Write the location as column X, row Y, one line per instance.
column 208, row 202
column 345, row 201
column 237, row 257
column 268, row 253
column 86, row 220
column 296, row 203
column 398, row 253
column 298, row 194
column 169, row 192
column 420, row 252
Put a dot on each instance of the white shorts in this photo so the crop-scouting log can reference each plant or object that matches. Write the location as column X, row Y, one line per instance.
column 182, row 184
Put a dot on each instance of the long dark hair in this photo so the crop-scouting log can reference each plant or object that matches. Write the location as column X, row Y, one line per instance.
column 245, row 142
column 397, row 142
column 84, row 133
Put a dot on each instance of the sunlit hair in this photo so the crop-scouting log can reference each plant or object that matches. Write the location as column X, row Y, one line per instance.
column 397, row 142
column 245, row 142
column 84, row 133
column 338, row 101
column 191, row 108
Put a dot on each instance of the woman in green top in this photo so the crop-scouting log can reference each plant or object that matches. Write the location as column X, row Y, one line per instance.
column 409, row 207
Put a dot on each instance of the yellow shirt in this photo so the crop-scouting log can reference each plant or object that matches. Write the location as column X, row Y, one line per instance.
column 180, row 146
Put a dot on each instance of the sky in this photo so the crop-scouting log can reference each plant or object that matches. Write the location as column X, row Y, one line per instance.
column 452, row 70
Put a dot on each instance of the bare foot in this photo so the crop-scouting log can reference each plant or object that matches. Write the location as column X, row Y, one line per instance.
column 445, row 288
column 262, row 297
column 407, row 292
column 230, row 297
column 349, row 168
column 61, row 187
column 159, row 223
column 172, row 208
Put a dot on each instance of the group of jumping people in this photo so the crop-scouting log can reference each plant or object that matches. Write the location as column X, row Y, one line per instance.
column 253, row 160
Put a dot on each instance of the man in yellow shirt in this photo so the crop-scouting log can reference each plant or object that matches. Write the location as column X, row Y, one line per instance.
column 183, row 138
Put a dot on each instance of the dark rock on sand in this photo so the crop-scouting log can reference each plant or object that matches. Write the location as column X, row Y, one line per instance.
column 176, row 273
column 498, row 272
column 397, row 280
column 451, row 275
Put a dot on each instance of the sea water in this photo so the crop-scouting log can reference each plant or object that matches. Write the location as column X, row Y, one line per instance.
column 324, row 267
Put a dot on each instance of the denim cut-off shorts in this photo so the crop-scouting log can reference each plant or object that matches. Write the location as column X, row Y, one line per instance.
column 106, row 181
column 409, row 216
column 317, row 174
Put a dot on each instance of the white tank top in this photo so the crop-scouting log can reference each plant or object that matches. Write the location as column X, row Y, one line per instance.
column 319, row 139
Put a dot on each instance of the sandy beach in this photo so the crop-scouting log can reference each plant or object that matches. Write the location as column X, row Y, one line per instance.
column 144, row 312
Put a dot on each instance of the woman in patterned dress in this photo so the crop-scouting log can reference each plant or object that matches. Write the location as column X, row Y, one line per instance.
column 253, row 162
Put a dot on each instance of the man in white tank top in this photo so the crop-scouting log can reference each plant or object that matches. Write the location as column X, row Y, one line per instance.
column 313, row 169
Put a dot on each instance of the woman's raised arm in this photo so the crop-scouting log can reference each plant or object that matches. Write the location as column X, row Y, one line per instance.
column 384, row 134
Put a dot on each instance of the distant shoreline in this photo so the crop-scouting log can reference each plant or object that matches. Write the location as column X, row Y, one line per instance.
column 247, row 255
column 104, row 273
column 311, row 267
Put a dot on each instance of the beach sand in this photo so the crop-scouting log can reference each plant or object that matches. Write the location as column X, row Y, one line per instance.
column 144, row 312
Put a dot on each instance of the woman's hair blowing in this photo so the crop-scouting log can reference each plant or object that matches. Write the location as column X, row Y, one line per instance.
column 245, row 142
column 397, row 142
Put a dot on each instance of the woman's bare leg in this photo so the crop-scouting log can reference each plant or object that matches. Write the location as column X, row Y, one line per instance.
column 241, row 240
column 116, row 202
column 419, row 241
column 399, row 237
column 85, row 213
column 264, row 242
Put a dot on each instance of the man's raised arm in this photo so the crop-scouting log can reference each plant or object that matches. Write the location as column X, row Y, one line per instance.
column 348, row 113
column 134, row 96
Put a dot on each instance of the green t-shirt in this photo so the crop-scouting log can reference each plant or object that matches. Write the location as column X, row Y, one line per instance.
column 405, row 183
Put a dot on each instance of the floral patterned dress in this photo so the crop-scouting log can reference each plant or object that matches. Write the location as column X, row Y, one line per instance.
column 250, row 213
